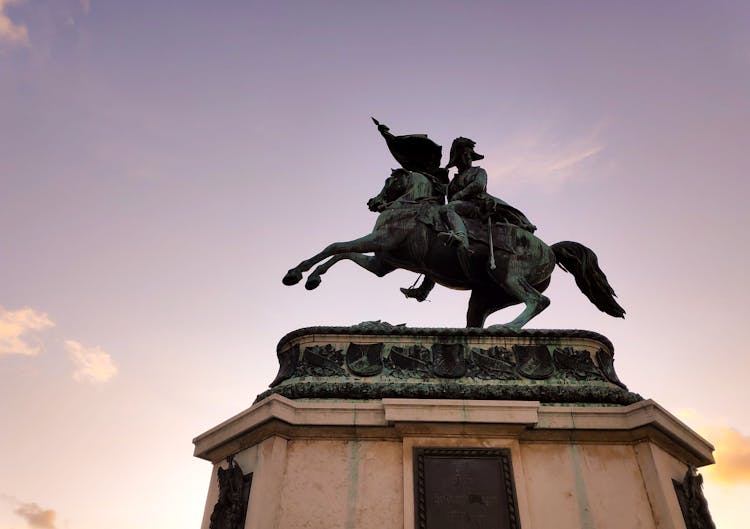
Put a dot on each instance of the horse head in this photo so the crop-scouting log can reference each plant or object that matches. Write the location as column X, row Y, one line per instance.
column 403, row 186
column 394, row 187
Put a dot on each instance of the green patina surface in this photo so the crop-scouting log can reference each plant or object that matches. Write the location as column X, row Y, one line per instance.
column 553, row 394
column 456, row 234
column 377, row 360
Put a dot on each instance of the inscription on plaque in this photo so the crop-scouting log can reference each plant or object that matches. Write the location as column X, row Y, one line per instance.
column 464, row 488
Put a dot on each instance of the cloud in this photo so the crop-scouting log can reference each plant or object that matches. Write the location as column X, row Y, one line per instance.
column 90, row 364
column 10, row 32
column 732, row 452
column 17, row 328
column 539, row 159
column 36, row 516
column 732, row 455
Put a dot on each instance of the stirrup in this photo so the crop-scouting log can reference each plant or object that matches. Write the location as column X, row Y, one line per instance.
column 454, row 238
column 417, row 293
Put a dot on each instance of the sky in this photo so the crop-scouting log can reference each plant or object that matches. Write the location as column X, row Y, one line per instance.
column 164, row 163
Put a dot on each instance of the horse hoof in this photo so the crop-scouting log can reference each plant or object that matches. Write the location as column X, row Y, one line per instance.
column 312, row 282
column 500, row 327
column 292, row 277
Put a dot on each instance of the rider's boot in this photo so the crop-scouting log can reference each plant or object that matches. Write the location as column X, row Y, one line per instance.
column 457, row 237
column 457, row 233
column 415, row 293
column 421, row 292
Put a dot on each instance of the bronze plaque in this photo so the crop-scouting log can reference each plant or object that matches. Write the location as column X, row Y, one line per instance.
column 464, row 488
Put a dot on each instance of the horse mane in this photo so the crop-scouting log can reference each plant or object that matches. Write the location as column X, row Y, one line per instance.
column 419, row 187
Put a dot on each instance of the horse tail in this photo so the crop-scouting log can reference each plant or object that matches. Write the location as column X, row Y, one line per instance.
column 580, row 261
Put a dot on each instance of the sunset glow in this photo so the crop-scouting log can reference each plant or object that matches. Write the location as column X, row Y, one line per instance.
column 163, row 164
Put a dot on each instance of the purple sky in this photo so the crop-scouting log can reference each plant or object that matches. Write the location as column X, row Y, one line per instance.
column 163, row 163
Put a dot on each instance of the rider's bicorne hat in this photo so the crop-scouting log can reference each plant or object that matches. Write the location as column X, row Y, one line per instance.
column 457, row 145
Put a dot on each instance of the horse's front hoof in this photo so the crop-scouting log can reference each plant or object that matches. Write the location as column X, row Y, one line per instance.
column 500, row 327
column 292, row 277
column 312, row 282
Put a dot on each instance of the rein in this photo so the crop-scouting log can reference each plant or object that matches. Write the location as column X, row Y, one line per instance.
column 399, row 203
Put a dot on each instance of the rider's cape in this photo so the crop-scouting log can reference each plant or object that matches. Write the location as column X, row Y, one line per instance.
column 501, row 211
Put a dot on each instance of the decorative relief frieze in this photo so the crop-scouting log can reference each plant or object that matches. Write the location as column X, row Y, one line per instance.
column 493, row 363
column 551, row 368
column 412, row 361
column 575, row 365
column 365, row 360
column 322, row 361
column 534, row 361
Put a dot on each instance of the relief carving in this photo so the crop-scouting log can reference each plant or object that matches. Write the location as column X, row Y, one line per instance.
column 322, row 361
column 448, row 360
column 409, row 361
column 365, row 360
column 693, row 504
column 534, row 361
column 576, row 365
column 234, row 491
column 498, row 363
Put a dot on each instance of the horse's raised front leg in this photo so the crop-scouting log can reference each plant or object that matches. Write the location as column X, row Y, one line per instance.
column 371, row 263
column 366, row 244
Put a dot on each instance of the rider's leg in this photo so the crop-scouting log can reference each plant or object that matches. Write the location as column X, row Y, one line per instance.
column 458, row 232
column 371, row 263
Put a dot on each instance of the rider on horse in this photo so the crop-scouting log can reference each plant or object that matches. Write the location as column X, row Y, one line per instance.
column 507, row 264
column 466, row 193
column 468, row 197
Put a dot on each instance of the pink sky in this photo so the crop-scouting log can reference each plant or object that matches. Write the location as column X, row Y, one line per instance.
column 162, row 164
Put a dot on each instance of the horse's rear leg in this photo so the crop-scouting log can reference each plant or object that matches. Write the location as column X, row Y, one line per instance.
column 483, row 302
column 479, row 308
column 370, row 263
column 517, row 286
column 535, row 302
column 368, row 243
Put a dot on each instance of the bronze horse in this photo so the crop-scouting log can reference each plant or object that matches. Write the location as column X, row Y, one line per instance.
column 513, row 267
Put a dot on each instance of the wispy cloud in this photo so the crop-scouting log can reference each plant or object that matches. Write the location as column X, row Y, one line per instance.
column 18, row 329
column 11, row 33
column 90, row 364
column 35, row 516
column 732, row 449
column 540, row 159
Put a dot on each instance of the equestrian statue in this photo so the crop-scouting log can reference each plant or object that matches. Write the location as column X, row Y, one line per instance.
column 457, row 235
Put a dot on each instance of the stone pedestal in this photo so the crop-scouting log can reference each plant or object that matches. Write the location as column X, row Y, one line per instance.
column 334, row 463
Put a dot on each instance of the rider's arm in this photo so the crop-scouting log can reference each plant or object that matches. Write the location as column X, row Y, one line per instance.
column 473, row 188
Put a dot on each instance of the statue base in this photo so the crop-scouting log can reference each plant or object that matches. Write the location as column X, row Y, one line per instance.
column 377, row 360
column 563, row 460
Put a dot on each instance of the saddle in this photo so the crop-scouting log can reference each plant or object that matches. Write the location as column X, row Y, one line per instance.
column 503, row 239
